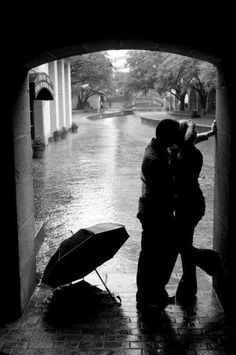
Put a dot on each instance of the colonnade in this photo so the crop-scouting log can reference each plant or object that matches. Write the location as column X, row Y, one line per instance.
column 52, row 115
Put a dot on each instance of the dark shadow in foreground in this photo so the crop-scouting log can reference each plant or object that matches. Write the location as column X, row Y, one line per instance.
column 79, row 303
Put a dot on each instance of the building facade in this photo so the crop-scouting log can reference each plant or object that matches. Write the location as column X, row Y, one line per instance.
column 50, row 98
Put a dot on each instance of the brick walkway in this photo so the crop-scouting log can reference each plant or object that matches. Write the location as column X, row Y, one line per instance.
column 84, row 319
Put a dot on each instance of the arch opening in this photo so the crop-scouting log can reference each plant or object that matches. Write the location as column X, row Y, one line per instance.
column 39, row 57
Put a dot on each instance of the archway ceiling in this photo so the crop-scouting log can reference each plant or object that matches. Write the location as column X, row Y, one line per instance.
column 49, row 52
column 200, row 34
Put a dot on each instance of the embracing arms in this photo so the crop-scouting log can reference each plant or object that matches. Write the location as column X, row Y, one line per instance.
column 199, row 137
column 205, row 135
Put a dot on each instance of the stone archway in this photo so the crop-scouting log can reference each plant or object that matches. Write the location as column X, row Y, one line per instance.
column 19, row 245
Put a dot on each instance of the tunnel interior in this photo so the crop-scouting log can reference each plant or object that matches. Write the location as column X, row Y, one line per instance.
column 19, row 248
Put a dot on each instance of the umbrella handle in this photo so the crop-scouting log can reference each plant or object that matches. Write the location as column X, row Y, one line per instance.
column 106, row 285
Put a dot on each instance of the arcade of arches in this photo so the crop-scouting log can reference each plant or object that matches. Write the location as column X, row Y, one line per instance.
column 17, row 245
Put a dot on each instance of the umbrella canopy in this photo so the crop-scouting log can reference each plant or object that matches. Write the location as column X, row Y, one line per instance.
column 83, row 252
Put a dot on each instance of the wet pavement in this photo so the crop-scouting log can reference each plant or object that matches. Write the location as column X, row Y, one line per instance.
column 92, row 177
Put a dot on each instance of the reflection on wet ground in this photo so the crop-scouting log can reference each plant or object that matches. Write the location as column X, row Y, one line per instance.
column 93, row 176
column 83, row 319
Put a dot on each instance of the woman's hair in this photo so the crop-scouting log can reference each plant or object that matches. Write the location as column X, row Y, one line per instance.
column 167, row 131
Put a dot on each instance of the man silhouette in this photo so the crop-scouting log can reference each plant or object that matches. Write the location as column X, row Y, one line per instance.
column 155, row 212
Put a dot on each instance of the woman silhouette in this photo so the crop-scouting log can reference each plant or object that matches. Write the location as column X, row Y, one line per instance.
column 187, row 163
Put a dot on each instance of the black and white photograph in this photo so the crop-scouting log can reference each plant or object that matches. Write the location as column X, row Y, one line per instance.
column 117, row 205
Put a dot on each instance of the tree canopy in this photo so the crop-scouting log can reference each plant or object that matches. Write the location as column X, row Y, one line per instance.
column 142, row 70
column 166, row 72
column 204, row 81
column 90, row 74
column 148, row 70
column 175, row 74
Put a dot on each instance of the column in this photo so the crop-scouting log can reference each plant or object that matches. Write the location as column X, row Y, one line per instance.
column 54, row 108
column 61, row 93
column 68, row 94
column 224, row 205
column 17, row 262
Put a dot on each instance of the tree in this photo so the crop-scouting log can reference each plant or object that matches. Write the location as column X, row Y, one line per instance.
column 142, row 68
column 90, row 74
column 166, row 72
column 204, row 81
column 119, row 81
column 174, row 75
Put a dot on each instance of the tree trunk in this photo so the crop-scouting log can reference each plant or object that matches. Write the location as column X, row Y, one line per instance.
column 82, row 100
column 203, row 99
column 181, row 104
column 79, row 104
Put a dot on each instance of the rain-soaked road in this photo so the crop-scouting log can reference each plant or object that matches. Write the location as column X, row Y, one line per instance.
column 93, row 176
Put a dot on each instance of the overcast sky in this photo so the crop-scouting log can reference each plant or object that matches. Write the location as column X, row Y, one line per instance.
column 119, row 58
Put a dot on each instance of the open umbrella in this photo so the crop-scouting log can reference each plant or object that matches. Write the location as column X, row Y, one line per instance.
column 83, row 252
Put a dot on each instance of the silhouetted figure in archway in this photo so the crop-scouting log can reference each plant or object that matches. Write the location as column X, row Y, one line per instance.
column 158, row 249
column 187, row 161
